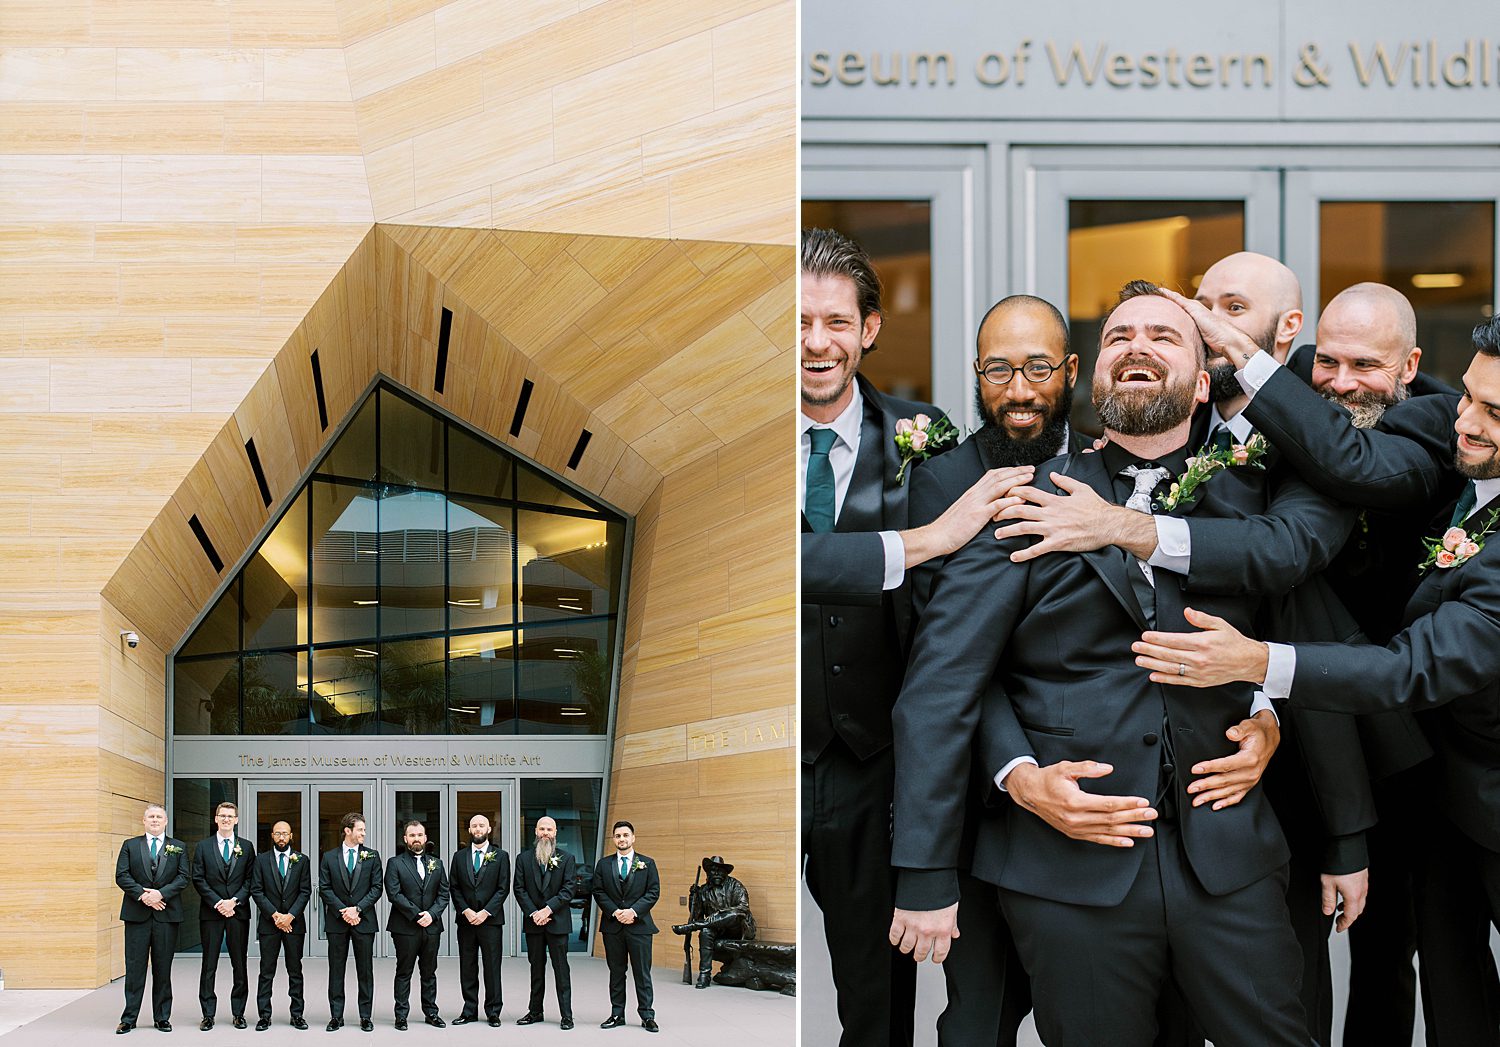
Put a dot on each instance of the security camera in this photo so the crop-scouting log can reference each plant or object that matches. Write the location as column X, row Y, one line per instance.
column 132, row 640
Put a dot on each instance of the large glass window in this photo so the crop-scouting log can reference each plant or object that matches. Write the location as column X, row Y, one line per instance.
column 424, row 581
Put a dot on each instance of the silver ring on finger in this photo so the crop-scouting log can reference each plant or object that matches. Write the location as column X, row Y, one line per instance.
column 1181, row 668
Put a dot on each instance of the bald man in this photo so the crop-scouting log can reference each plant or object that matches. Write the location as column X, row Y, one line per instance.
column 1261, row 297
column 1367, row 355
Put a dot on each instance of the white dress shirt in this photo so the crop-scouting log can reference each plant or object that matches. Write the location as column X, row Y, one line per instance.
column 841, row 457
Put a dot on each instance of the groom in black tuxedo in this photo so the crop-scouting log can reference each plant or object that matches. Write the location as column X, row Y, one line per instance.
column 281, row 887
column 626, row 887
column 221, row 874
column 417, row 886
column 1136, row 883
column 479, row 882
column 152, row 871
column 350, row 885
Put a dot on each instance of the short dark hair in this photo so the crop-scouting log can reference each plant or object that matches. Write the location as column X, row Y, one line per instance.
column 1134, row 289
column 351, row 819
column 622, row 824
column 409, row 823
column 1487, row 337
column 826, row 252
column 223, row 804
column 1010, row 301
column 1137, row 289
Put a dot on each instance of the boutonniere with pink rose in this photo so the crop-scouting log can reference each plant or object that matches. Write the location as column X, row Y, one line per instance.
column 238, row 850
column 1457, row 546
column 638, row 866
column 366, row 854
column 294, row 857
column 919, row 438
column 1202, row 466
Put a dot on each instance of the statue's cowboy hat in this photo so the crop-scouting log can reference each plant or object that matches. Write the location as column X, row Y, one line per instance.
column 716, row 862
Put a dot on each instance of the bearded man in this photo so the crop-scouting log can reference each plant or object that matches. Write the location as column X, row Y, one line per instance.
column 479, row 878
column 544, row 890
column 1112, row 874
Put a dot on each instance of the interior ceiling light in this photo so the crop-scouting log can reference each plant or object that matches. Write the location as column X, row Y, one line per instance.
column 1431, row 281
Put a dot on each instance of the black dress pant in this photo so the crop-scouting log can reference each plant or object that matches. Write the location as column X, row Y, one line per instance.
column 153, row 942
column 541, row 947
column 1304, row 901
column 475, row 944
column 1097, row 973
column 846, row 847
column 1458, row 897
column 412, row 950
column 364, row 971
column 214, row 932
column 271, row 945
column 637, row 947
column 989, row 994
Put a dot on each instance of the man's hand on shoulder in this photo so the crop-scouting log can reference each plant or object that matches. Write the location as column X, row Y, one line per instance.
column 924, row 933
column 961, row 521
column 1053, row 795
column 1075, row 521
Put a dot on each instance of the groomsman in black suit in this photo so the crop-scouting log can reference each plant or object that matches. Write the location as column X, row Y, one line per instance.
column 349, row 884
column 544, row 890
column 281, row 887
column 1139, row 883
column 417, row 886
column 221, row 873
column 626, row 886
column 857, row 546
column 479, row 881
column 152, row 871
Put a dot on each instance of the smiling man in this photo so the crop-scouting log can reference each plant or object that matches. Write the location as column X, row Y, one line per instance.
column 1112, row 874
column 1025, row 388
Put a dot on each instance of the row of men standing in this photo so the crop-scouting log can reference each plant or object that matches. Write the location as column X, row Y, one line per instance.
column 153, row 870
column 859, row 606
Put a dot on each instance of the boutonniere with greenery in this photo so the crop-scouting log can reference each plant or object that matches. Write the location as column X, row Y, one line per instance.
column 432, row 865
column 639, row 865
column 1206, row 462
column 918, row 438
column 238, row 850
column 294, row 857
column 1457, row 546
column 489, row 856
column 172, row 848
column 554, row 862
column 366, row 854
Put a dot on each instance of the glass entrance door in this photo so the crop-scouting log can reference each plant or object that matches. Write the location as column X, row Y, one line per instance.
column 314, row 813
column 444, row 809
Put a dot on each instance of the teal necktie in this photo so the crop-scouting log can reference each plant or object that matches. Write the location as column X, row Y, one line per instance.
column 624, row 867
column 820, row 489
column 478, row 857
column 1465, row 505
column 226, row 852
column 281, row 861
column 351, row 862
column 1222, row 439
column 153, row 850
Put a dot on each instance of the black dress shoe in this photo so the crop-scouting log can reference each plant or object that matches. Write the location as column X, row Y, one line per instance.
column 614, row 1021
column 528, row 1019
column 436, row 1021
column 495, row 1022
column 299, row 1022
column 263, row 1025
column 365, row 1025
column 164, row 1026
column 566, row 1024
column 239, row 1021
column 334, row 1025
column 464, row 1019
column 650, row 1025
column 206, row 1024
column 400, row 1024
column 123, row 1028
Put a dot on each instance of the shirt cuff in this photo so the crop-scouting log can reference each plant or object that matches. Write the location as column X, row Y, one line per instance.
column 1174, row 545
column 1257, row 372
column 1281, row 668
column 895, row 559
column 1000, row 778
column 1261, row 703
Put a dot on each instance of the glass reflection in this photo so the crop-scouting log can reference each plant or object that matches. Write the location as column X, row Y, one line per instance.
column 342, row 682
column 411, row 443
column 567, row 564
column 425, row 806
column 275, row 581
column 413, row 688
column 353, row 455
column 206, row 696
column 411, row 562
column 346, row 555
column 275, row 702
column 475, row 468
column 535, row 487
column 481, row 547
column 219, row 632
column 564, row 678
column 482, row 683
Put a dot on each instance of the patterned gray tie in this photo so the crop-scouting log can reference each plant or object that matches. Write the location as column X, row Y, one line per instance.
column 1146, row 481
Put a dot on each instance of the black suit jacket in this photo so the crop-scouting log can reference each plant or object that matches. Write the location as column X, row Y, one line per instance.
column 134, row 876
column 639, row 891
column 339, row 890
column 412, row 894
column 215, row 881
column 486, row 891
column 272, row 894
column 854, row 635
column 1055, row 633
column 1446, row 659
column 550, row 889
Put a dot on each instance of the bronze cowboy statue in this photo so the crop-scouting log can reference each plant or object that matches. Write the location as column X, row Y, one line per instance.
column 718, row 910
